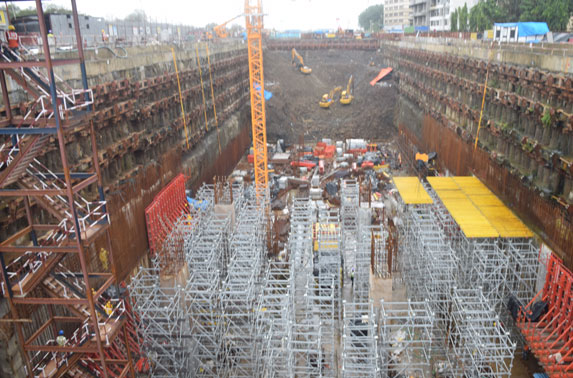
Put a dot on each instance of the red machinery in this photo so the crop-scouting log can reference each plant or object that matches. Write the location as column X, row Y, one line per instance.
column 550, row 337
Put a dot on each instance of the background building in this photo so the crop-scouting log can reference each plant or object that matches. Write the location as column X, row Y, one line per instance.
column 396, row 15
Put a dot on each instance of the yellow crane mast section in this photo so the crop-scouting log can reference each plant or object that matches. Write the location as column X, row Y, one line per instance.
column 254, row 24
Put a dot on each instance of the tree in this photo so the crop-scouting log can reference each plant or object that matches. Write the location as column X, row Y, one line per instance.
column 555, row 12
column 372, row 18
column 463, row 18
column 511, row 9
column 484, row 14
column 454, row 21
column 137, row 15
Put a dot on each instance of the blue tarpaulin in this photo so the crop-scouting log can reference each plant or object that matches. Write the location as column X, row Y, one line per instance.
column 196, row 204
column 268, row 95
column 527, row 29
column 422, row 28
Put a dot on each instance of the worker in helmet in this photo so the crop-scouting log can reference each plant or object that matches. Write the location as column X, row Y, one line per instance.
column 12, row 38
column 61, row 339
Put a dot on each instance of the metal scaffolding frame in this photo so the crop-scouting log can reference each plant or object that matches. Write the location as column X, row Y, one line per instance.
column 381, row 262
column 45, row 265
column 205, row 255
column 240, row 293
column 359, row 341
column 349, row 205
column 437, row 259
column 163, row 323
column 479, row 345
column 405, row 338
column 363, row 256
column 275, row 316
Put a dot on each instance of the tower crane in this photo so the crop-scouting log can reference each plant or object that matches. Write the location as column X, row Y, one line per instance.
column 254, row 24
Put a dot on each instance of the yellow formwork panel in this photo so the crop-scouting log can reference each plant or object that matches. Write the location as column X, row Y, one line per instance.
column 412, row 191
column 478, row 212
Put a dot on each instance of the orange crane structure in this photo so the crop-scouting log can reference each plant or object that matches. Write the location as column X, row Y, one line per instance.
column 254, row 24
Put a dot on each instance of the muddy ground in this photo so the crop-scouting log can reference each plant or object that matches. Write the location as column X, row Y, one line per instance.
column 293, row 110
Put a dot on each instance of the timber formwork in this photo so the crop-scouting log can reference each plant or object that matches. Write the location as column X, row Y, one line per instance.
column 46, row 264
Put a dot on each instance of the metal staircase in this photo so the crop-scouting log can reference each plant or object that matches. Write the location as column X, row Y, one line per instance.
column 44, row 261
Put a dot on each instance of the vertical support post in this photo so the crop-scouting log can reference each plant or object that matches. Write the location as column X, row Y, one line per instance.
column 68, row 181
column 5, row 97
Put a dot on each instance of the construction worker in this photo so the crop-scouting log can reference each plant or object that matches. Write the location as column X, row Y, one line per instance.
column 108, row 308
column 12, row 38
column 61, row 340
column 352, row 277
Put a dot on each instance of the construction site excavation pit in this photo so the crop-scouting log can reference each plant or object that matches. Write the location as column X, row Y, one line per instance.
column 391, row 205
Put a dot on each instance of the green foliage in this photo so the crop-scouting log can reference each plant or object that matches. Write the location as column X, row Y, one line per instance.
column 15, row 12
column 546, row 118
column 555, row 12
column 484, row 15
column 54, row 9
column 372, row 18
column 137, row 15
column 511, row 9
column 463, row 18
column 454, row 21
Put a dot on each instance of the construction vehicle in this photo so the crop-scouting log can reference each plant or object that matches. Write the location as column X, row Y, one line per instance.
column 221, row 30
column 426, row 164
column 328, row 98
column 300, row 64
column 347, row 95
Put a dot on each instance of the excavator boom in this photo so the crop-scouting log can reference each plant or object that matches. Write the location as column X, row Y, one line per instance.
column 300, row 64
column 348, row 95
column 221, row 30
column 328, row 99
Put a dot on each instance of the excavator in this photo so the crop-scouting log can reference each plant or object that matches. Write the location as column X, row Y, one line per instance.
column 300, row 64
column 347, row 95
column 221, row 30
column 328, row 98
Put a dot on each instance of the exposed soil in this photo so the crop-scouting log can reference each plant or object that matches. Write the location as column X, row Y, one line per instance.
column 293, row 109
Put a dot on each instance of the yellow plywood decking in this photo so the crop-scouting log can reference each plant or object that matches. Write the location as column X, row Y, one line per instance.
column 478, row 212
column 411, row 190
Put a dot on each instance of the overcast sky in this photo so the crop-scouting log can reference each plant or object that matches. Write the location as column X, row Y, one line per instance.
column 280, row 14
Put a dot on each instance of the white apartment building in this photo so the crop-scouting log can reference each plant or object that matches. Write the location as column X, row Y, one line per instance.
column 438, row 12
column 396, row 14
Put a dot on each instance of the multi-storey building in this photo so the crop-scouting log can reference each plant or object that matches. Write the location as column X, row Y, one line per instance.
column 396, row 14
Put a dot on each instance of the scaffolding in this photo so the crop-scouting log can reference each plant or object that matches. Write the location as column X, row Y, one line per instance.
column 363, row 256
column 442, row 264
column 276, row 308
column 405, row 338
column 240, row 293
column 163, row 322
column 45, row 265
column 479, row 345
column 359, row 341
column 349, row 205
column 205, row 255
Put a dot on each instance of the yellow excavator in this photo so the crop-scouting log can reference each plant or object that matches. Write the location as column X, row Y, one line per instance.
column 221, row 30
column 300, row 64
column 347, row 95
column 328, row 98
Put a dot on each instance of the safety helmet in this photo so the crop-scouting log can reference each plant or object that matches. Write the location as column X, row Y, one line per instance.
column 61, row 332
column 11, row 27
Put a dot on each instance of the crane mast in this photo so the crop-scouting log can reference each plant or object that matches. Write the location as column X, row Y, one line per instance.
column 254, row 24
